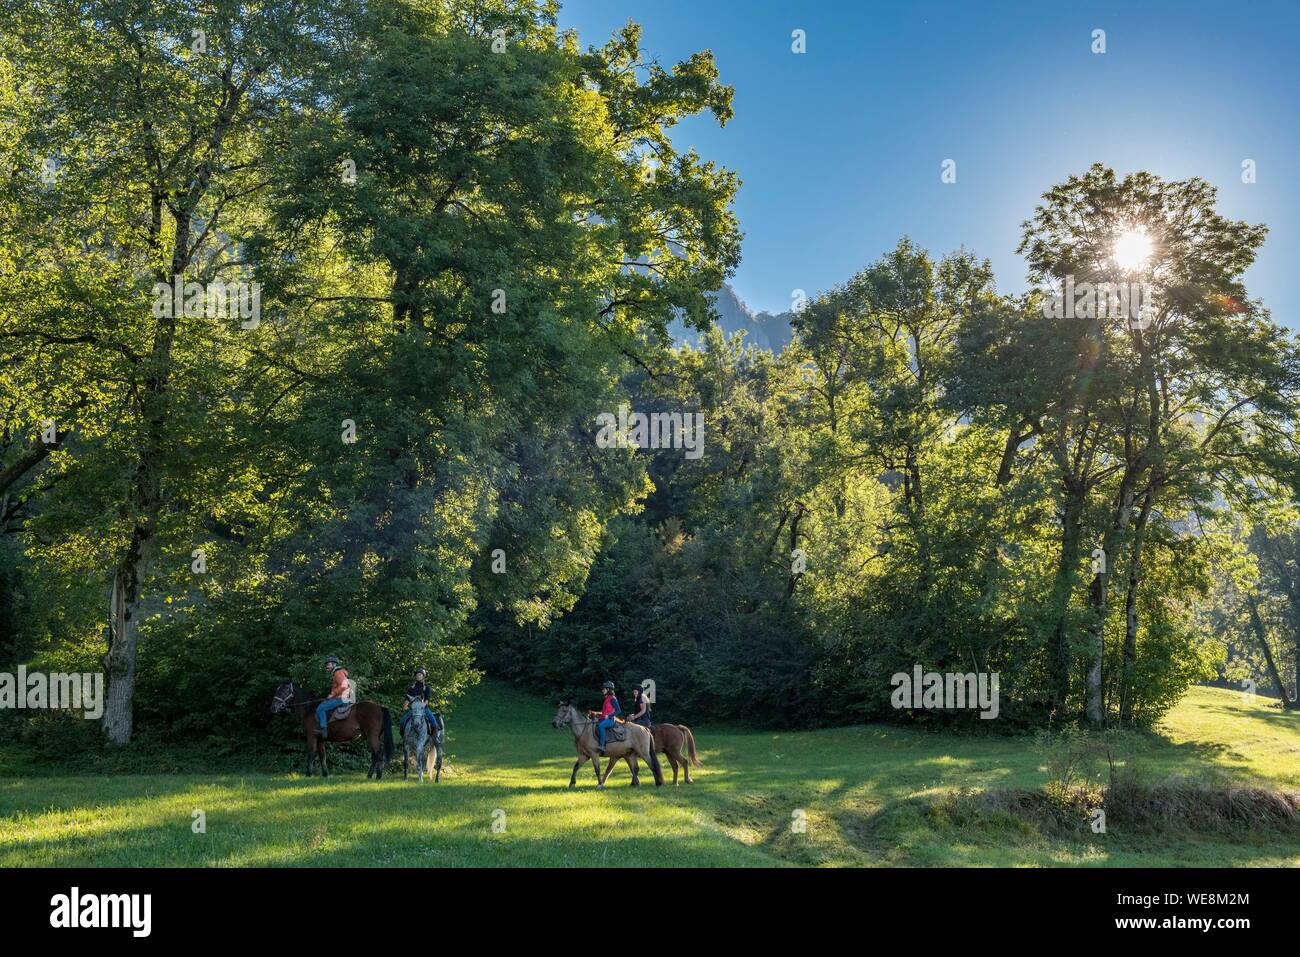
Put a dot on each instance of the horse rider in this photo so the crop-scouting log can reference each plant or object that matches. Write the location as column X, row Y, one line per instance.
column 640, row 711
column 419, row 690
column 608, row 712
column 340, row 691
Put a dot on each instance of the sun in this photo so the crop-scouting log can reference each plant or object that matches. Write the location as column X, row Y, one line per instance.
column 1132, row 250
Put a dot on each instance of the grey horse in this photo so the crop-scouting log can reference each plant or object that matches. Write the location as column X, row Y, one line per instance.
column 416, row 738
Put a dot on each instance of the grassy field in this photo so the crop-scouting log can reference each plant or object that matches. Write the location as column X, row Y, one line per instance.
column 868, row 796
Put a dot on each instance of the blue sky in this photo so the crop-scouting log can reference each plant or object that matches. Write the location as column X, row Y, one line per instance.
column 840, row 148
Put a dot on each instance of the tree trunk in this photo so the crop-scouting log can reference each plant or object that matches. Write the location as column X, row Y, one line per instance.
column 794, row 544
column 1094, row 710
column 1062, row 588
column 145, row 502
column 840, row 495
column 1296, row 697
column 126, row 597
column 123, row 636
column 1008, row 457
column 1099, row 598
column 1130, row 607
column 1257, row 625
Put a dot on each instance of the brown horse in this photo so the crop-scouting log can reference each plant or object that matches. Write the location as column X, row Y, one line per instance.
column 366, row 719
column 638, row 744
column 676, row 741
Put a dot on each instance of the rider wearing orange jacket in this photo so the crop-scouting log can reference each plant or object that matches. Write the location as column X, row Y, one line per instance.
column 339, row 691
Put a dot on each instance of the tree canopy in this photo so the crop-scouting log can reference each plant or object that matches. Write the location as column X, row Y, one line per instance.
column 309, row 311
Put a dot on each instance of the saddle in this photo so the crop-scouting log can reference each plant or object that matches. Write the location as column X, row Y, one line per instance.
column 617, row 733
column 342, row 711
column 349, row 701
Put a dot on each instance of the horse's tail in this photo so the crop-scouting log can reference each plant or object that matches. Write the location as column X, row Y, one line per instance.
column 388, row 733
column 690, row 744
column 655, row 766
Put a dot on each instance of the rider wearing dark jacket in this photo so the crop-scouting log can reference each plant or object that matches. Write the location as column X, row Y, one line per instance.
column 640, row 710
column 419, row 690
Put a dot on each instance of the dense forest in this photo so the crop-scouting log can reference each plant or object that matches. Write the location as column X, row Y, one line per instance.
column 309, row 312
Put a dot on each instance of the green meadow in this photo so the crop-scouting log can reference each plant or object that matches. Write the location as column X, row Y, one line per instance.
column 863, row 796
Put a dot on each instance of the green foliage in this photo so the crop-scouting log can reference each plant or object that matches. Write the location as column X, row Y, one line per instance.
column 435, row 331
column 943, row 459
column 470, row 237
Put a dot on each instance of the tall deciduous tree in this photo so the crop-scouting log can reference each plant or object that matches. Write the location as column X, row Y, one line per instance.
column 446, row 210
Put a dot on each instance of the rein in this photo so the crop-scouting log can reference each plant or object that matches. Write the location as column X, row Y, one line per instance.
column 592, row 721
column 292, row 702
column 588, row 724
column 585, row 721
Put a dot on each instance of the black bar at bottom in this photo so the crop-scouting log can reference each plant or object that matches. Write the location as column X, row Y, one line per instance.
column 223, row 907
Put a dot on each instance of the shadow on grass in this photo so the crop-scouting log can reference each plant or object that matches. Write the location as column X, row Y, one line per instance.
column 292, row 823
column 1273, row 717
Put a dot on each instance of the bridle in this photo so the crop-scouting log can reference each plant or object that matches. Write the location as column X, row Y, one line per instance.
column 289, row 700
column 582, row 722
column 284, row 702
column 419, row 710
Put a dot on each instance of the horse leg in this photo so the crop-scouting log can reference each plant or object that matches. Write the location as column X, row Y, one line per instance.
column 311, row 755
column 677, row 756
column 437, row 767
column 320, row 753
column 573, row 778
column 631, row 763
column 600, row 779
column 686, row 764
column 609, row 766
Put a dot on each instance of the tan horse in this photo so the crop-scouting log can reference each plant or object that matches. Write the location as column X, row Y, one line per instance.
column 677, row 742
column 639, row 744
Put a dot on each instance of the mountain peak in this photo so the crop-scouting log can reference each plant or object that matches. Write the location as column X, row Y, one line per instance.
column 765, row 330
